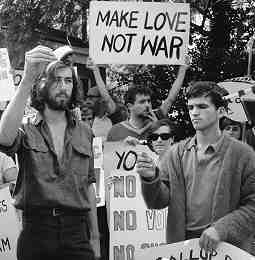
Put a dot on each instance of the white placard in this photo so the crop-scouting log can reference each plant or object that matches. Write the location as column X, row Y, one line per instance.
column 7, row 88
column 99, row 172
column 138, row 32
column 98, row 152
column 190, row 250
column 133, row 227
column 9, row 226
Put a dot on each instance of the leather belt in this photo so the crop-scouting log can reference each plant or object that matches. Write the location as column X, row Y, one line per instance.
column 54, row 212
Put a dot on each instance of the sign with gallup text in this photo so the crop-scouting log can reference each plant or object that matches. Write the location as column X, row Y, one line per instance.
column 190, row 250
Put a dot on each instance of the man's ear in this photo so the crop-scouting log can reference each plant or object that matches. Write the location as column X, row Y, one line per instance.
column 222, row 112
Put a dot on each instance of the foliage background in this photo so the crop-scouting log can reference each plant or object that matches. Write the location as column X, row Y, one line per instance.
column 217, row 52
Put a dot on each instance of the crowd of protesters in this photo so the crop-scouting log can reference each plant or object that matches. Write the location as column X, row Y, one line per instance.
column 207, row 181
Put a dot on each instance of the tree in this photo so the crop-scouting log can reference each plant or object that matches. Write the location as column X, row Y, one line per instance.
column 22, row 21
column 217, row 53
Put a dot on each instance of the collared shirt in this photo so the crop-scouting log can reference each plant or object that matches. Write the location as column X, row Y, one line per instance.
column 201, row 170
column 46, row 181
column 124, row 129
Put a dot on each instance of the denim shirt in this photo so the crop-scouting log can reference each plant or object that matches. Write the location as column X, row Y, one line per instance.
column 43, row 180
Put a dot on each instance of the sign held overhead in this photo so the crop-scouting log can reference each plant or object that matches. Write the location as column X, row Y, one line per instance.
column 138, row 32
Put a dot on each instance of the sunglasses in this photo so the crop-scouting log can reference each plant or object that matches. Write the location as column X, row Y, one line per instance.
column 163, row 136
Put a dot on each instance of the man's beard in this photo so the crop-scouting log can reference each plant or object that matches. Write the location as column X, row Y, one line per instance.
column 60, row 105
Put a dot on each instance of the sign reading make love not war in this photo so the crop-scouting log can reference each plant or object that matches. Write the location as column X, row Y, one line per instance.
column 7, row 88
column 190, row 250
column 9, row 226
column 133, row 227
column 138, row 32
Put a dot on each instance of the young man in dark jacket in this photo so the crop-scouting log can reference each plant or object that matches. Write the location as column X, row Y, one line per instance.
column 207, row 182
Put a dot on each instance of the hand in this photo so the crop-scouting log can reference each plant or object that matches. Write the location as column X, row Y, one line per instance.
column 151, row 115
column 95, row 244
column 145, row 166
column 209, row 239
column 131, row 141
column 91, row 65
column 36, row 61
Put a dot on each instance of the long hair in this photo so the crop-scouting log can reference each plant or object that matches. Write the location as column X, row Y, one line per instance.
column 40, row 89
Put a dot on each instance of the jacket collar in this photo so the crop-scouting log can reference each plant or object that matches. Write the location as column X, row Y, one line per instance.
column 38, row 118
column 213, row 147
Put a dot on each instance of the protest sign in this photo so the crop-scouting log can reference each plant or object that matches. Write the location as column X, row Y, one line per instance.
column 7, row 89
column 99, row 172
column 235, row 107
column 138, row 32
column 9, row 226
column 190, row 250
column 133, row 227
column 98, row 152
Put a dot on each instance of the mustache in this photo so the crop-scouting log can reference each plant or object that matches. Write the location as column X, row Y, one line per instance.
column 62, row 93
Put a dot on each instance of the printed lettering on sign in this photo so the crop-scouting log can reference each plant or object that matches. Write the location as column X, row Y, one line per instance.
column 9, row 226
column 139, row 32
column 132, row 226
column 190, row 250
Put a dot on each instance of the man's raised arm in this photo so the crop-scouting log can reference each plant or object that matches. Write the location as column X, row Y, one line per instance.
column 36, row 61
column 111, row 106
column 167, row 103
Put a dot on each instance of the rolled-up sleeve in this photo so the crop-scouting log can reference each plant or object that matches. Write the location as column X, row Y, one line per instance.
column 11, row 150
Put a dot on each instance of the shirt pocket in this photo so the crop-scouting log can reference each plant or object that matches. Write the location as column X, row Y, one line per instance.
column 38, row 162
column 36, row 146
column 81, row 158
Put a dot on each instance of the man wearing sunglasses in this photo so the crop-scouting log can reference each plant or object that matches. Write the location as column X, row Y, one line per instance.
column 207, row 182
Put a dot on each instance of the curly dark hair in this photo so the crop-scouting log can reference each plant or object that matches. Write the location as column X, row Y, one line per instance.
column 208, row 89
column 134, row 90
column 39, row 91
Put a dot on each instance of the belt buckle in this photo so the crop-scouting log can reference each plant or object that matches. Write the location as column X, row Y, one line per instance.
column 56, row 212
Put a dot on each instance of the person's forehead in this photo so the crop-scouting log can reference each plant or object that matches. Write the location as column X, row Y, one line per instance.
column 200, row 100
column 163, row 129
column 64, row 72
column 139, row 97
column 233, row 125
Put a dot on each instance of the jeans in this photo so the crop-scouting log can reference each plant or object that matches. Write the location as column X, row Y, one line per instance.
column 59, row 237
